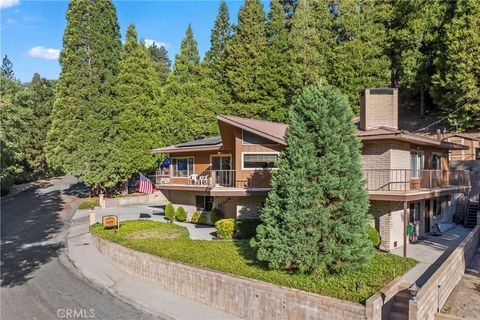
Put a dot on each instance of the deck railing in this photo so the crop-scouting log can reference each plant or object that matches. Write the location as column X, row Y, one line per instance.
column 407, row 179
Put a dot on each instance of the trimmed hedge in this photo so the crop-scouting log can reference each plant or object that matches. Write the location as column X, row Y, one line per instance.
column 246, row 228
column 225, row 228
column 169, row 211
column 216, row 215
column 374, row 236
column 181, row 215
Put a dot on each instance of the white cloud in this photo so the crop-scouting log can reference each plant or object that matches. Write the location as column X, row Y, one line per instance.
column 41, row 52
column 150, row 42
column 9, row 3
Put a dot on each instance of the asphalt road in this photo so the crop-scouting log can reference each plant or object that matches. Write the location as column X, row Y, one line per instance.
column 37, row 281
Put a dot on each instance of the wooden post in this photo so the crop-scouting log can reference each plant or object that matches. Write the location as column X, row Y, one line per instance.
column 405, row 223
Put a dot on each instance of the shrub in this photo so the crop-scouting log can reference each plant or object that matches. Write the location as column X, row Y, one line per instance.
column 225, row 228
column 216, row 215
column 199, row 218
column 374, row 236
column 180, row 215
column 169, row 212
column 247, row 228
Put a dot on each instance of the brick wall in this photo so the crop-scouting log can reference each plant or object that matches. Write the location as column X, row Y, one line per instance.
column 249, row 207
column 245, row 298
column 389, row 222
column 433, row 295
column 379, row 109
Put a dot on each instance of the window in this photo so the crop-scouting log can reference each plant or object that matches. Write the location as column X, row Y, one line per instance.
column 204, row 203
column 221, row 162
column 437, row 208
column 251, row 138
column 182, row 167
column 260, row 160
column 414, row 212
column 436, row 162
column 477, row 153
column 416, row 163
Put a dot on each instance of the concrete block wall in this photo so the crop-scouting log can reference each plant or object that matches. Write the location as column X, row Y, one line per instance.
column 154, row 198
column 245, row 298
column 435, row 292
column 389, row 222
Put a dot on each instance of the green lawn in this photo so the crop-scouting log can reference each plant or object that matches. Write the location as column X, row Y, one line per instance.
column 171, row 241
column 88, row 203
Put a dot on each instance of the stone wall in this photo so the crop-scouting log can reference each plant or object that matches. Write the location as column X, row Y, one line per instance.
column 155, row 198
column 433, row 294
column 245, row 298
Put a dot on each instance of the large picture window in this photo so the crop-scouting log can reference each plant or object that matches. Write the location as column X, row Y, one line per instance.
column 260, row 160
column 204, row 203
column 182, row 167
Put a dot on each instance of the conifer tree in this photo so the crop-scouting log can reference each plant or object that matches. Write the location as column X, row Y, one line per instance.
column 137, row 91
column 276, row 69
column 6, row 70
column 316, row 216
column 245, row 62
column 81, row 139
column 215, row 59
column 456, row 83
column 190, row 100
column 161, row 61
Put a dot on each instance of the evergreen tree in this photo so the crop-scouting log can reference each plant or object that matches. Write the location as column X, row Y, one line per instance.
column 246, row 54
column 81, row 139
column 190, row 100
column 139, row 113
column 456, row 83
column 311, row 41
column 415, row 31
column 276, row 70
column 6, row 70
column 160, row 60
column 316, row 216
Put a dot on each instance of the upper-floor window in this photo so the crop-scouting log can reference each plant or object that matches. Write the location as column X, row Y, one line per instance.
column 416, row 159
column 260, row 160
column 436, row 162
column 251, row 138
column 182, row 167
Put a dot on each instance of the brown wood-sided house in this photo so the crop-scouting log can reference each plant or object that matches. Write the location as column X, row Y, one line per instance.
column 407, row 175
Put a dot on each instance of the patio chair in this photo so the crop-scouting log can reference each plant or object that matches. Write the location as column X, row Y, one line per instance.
column 203, row 180
column 193, row 179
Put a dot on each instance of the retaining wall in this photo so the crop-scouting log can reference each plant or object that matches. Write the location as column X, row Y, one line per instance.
column 435, row 292
column 379, row 305
column 155, row 198
column 245, row 298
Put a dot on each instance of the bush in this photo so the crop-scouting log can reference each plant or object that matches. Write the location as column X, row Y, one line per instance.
column 216, row 215
column 199, row 218
column 247, row 228
column 181, row 215
column 374, row 236
column 169, row 212
column 225, row 228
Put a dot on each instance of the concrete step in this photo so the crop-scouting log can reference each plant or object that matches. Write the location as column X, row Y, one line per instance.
column 402, row 296
column 394, row 315
column 400, row 306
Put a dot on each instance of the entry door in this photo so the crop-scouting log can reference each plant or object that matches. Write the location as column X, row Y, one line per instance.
column 427, row 216
column 223, row 166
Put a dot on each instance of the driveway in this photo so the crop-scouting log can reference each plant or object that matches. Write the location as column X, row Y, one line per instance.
column 431, row 253
column 37, row 280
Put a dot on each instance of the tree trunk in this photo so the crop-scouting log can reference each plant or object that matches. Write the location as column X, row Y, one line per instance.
column 125, row 188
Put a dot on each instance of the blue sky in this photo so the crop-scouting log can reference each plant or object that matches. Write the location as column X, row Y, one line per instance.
column 32, row 31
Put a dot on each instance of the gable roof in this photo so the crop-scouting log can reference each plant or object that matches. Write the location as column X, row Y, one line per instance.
column 270, row 130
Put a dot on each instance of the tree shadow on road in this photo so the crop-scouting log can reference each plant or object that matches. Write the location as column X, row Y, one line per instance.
column 30, row 222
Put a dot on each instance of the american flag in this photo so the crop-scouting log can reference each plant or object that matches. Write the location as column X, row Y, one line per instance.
column 145, row 185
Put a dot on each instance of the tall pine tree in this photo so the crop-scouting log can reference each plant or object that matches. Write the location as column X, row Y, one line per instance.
column 6, row 69
column 456, row 83
column 81, row 139
column 316, row 216
column 161, row 61
column 245, row 62
column 138, row 93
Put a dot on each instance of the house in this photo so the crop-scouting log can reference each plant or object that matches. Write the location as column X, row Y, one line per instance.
column 471, row 140
column 407, row 175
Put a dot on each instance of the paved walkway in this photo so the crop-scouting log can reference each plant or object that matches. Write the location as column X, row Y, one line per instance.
column 431, row 253
column 153, row 212
column 95, row 267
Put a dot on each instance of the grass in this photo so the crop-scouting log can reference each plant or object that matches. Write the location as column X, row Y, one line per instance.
column 88, row 203
column 238, row 258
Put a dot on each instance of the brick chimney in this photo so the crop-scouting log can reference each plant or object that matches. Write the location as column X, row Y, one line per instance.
column 379, row 107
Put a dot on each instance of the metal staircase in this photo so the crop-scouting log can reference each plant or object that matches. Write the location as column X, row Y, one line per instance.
column 471, row 215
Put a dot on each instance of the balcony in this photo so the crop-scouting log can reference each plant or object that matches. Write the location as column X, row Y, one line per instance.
column 384, row 182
